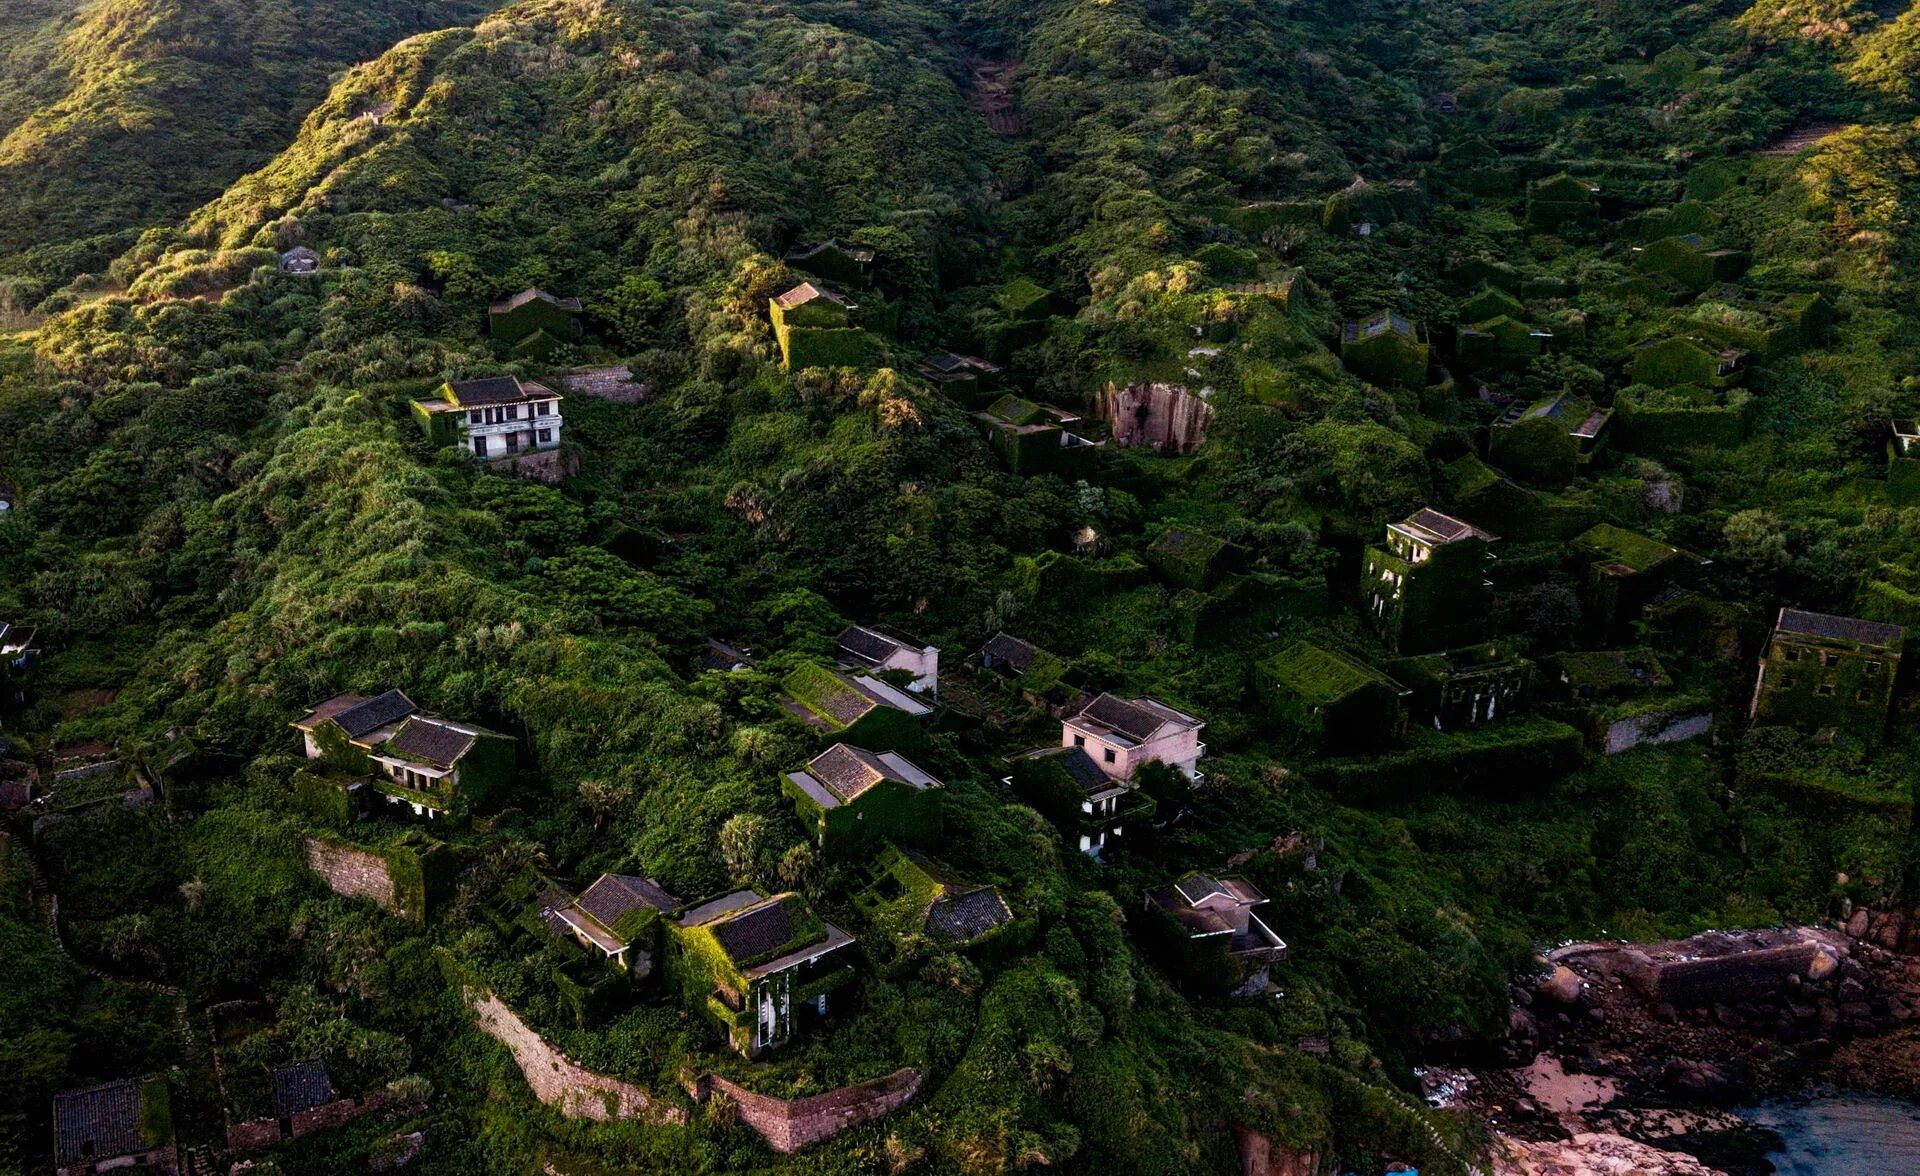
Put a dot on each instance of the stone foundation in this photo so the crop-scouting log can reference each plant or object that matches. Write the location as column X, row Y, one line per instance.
column 791, row 1124
column 556, row 1079
column 353, row 872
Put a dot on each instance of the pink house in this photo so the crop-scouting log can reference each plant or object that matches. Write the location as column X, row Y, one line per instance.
column 1120, row 734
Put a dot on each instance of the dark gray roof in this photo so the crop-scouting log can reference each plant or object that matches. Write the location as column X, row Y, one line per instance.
column 98, row 1123
column 1011, row 652
column 430, row 742
column 531, row 294
column 613, row 896
column 498, row 390
column 1081, row 769
column 1134, row 721
column 749, row 936
column 301, row 1087
column 375, row 713
column 1813, row 624
column 866, row 645
column 968, row 916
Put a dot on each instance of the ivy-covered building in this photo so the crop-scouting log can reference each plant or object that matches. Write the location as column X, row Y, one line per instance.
column 815, row 328
column 1092, row 808
column 1386, row 349
column 620, row 916
column 1826, row 673
column 1561, row 200
column 1426, row 588
column 434, row 767
column 849, row 265
column 967, row 378
column 856, row 708
column 1550, row 440
column 1903, row 462
column 1460, row 688
column 126, row 1124
column 1690, row 260
column 1623, row 571
column 1675, row 360
column 1220, row 914
column 494, row 417
column 758, row 967
column 1331, row 702
column 533, row 322
column 1036, row 438
column 851, row 798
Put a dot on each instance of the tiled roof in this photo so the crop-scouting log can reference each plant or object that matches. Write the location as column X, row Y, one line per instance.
column 968, row 916
column 806, row 292
column 1444, row 527
column 374, row 713
column 1081, row 769
column 613, row 896
column 98, row 1123
column 848, row 772
column 1136, row 718
column 430, row 741
column 1011, row 652
column 498, row 390
column 301, row 1087
column 532, row 294
column 865, row 645
column 748, row 936
column 1813, row 624
column 1196, row 887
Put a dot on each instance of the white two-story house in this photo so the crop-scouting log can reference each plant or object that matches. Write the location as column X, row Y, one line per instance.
column 494, row 417
column 1120, row 734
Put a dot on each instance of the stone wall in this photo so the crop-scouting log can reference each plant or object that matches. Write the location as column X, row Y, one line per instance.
column 1657, row 727
column 353, row 872
column 556, row 1079
column 544, row 465
column 1166, row 417
column 791, row 1124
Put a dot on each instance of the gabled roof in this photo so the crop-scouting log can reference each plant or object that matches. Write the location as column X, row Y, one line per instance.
column 1011, row 652
column 532, row 294
column 97, row 1123
column 870, row 646
column 374, row 713
column 807, row 292
column 846, row 773
column 301, row 1087
column 858, row 253
column 1135, row 719
column 614, row 896
column 966, row 917
column 430, row 741
column 944, row 363
column 1799, row 623
column 1379, row 324
column 1320, row 676
column 764, row 935
column 497, row 390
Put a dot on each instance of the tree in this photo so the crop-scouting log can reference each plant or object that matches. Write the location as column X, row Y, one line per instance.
column 741, row 840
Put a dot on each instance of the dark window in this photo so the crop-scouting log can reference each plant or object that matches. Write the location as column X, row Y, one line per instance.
column 546, row 408
column 513, row 442
column 1864, row 695
column 1110, row 756
column 1793, row 655
column 480, row 446
column 1873, row 667
column 1079, row 740
column 1790, row 679
column 1825, row 689
column 1829, row 658
column 513, row 412
column 546, row 436
column 476, row 416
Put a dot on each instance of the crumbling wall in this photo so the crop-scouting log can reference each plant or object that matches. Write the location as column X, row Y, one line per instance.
column 556, row 1079
column 1166, row 417
column 1657, row 727
column 1695, row 983
column 791, row 1124
column 354, row 872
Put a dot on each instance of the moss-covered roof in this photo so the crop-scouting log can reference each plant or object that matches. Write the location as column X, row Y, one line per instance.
column 1621, row 546
column 1319, row 675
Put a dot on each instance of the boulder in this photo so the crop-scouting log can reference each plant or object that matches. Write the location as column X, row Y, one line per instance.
column 1564, row 986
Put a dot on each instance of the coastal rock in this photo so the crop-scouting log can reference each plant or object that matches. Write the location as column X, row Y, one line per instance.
column 1564, row 986
column 1592, row 1155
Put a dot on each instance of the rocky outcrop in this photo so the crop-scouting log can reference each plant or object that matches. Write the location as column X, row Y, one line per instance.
column 1166, row 417
column 791, row 1124
column 353, row 872
column 1260, row 1156
column 1592, row 1155
column 556, row 1079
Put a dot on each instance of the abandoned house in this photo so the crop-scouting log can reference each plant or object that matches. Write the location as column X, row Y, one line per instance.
column 1223, row 911
column 299, row 260
column 530, row 313
column 1121, row 734
column 875, row 650
column 758, row 967
column 1092, row 808
column 493, row 417
column 1827, row 673
column 618, row 916
column 851, row 798
column 1624, row 571
column 849, row 265
column 432, row 766
column 854, row 707
column 1461, row 688
column 1426, row 586
column 116, row 1125
column 1386, row 349
column 1332, row 702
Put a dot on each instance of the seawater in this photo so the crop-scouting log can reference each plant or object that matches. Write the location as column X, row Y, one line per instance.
column 1842, row 1135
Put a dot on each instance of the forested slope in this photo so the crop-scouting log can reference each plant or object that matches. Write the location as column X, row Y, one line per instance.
column 223, row 512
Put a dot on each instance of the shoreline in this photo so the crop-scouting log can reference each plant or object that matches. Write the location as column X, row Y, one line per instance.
column 1638, row 1057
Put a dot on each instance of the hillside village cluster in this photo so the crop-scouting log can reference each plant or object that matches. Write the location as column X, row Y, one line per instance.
column 762, row 967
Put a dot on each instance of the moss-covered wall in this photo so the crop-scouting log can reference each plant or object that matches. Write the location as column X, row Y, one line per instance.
column 889, row 811
column 537, row 314
column 1832, row 685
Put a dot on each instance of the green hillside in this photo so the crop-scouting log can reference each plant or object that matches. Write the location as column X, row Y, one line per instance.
column 223, row 510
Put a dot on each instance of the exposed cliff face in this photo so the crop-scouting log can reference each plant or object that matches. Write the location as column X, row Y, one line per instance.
column 1592, row 1155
